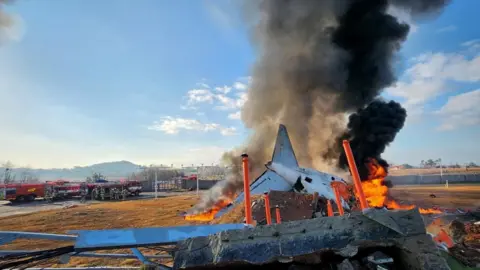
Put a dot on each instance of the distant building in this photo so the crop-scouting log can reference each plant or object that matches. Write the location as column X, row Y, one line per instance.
column 396, row 167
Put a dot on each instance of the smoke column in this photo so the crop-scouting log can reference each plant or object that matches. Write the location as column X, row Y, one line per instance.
column 318, row 61
column 370, row 130
column 7, row 23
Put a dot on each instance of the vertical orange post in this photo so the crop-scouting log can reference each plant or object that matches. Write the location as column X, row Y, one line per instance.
column 338, row 199
column 268, row 214
column 246, row 190
column 277, row 215
column 329, row 209
column 356, row 177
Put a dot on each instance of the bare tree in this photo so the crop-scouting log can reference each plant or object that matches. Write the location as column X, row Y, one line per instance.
column 27, row 176
column 163, row 173
column 8, row 175
column 96, row 177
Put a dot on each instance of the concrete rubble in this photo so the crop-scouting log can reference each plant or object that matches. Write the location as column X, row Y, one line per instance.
column 353, row 241
column 467, row 239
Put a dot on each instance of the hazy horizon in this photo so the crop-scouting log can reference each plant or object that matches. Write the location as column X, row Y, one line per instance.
column 156, row 82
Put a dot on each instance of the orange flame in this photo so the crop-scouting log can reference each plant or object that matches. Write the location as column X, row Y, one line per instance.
column 377, row 194
column 209, row 214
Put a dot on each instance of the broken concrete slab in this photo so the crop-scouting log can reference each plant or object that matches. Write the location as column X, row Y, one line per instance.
column 305, row 241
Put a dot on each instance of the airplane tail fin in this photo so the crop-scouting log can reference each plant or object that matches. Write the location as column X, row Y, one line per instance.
column 283, row 152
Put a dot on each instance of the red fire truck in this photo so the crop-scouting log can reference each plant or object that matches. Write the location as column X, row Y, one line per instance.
column 62, row 189
column 22, row 192
column 134, row 187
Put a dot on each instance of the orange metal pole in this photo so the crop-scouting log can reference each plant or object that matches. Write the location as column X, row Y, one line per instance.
column 355, row 175
column 277, row 213
column 338, row 199
column 329, row 209
column 268, row 214
column 246, row 190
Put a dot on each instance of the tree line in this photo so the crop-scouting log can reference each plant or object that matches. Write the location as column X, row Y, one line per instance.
column 9, row 176
column 437, row 163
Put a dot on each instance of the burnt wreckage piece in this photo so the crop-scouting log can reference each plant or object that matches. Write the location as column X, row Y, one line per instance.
column 318, row 241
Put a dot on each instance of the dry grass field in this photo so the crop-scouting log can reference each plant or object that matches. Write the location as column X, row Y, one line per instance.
column 455, row 196
column 128, row 214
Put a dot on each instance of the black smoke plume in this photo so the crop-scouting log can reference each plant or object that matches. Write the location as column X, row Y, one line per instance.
column 317, row 62
column 370, row 131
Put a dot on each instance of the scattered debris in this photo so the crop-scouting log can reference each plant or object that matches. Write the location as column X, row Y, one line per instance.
column 467, row 256
column 346, row 265
column 379, row 258
column 71, row 205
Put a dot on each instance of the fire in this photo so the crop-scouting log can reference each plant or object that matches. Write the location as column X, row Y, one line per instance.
column 210, row 213
column 377, row 194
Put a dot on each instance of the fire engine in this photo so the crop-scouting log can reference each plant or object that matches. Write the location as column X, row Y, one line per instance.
column 133, row 187
column 61, row 189
column 21, row 192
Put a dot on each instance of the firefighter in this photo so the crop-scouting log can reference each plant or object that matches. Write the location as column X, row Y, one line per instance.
column 83, row 192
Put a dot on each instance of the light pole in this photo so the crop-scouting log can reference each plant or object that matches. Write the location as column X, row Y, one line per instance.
column 156, row 184
column 198, row 179
column 441, row 173
column 5, row 183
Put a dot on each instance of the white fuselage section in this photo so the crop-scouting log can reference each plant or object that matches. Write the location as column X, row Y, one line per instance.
column 311, row 180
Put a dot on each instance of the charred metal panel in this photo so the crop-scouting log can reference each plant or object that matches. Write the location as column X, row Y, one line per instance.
column 126, row 238
column 292, row 205
column 269, row 180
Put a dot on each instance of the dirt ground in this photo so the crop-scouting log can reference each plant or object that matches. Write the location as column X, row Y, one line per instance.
column 167, row 212
column 455, row 196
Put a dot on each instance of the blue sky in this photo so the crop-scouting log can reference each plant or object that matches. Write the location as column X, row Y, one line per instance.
column 127, row 80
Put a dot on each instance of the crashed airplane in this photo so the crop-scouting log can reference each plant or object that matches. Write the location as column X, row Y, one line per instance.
column 284, row 174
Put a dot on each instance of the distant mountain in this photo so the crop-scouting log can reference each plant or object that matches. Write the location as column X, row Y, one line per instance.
column 112, row 170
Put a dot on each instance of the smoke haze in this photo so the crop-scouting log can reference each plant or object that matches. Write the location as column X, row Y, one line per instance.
column 317, row 62
column 7, row 23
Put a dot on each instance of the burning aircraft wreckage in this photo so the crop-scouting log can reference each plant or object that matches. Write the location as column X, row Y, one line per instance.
column 318, row 61
column 321, row 222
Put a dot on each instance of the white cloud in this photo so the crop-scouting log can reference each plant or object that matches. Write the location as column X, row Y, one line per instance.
column 171, row 125
column 228, row 131
column 196, row 96
column 461, row 110
column 449, row 28
column 228, row 103
column 240, row 86
column 417, row 91
column 451, row 66
column 235, row 115
column 472, row 45
column 223, row 89
column 222, row 97
column 203, row 85
column 429, row 75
